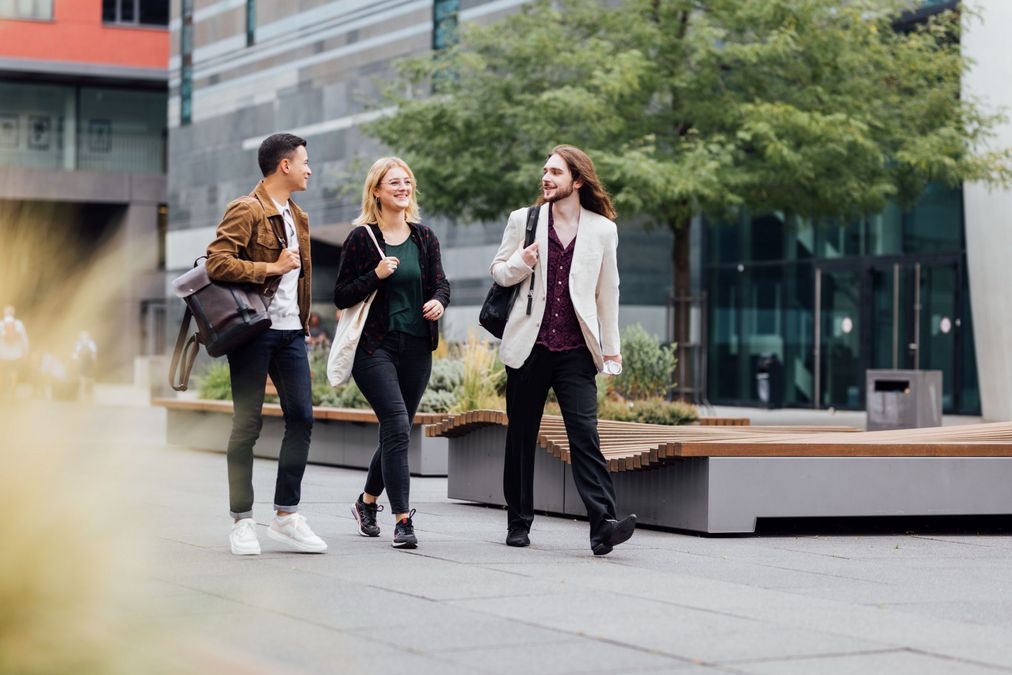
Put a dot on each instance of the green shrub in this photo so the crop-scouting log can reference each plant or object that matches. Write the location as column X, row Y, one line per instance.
column 646, row 366
column 326, row 395
column 447, row 375
column 649, row 411
column 349, row 396
column 215, row 383
column 436, row 401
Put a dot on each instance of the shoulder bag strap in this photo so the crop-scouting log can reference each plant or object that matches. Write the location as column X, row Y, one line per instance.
column 532, row 226
column 184, row 354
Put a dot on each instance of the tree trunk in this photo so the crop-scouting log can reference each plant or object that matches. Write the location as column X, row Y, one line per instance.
column 681, row 310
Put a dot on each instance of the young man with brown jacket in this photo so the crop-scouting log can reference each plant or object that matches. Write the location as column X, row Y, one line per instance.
column 263, row 240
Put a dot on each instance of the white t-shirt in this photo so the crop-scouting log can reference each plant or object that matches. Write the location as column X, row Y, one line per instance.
column 284, row 310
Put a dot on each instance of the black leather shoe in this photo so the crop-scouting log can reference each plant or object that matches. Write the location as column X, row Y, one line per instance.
column 517, row 536
column 615, row 532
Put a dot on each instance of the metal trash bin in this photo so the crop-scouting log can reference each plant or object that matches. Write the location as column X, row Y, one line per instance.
column 904, row 399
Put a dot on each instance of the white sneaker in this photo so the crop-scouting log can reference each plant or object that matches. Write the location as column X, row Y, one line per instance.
column 294, row 532
column 243, row 538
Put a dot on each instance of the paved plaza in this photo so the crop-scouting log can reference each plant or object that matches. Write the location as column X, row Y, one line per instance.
column 934, row 601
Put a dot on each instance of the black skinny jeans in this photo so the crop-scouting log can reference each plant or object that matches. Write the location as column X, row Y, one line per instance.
column 571, row 374
column 393, row 379
column 282, row 354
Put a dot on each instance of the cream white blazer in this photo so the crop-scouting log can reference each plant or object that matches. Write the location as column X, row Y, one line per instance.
column 593, row 285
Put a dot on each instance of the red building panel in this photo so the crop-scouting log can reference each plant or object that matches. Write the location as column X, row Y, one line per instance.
column 78, row 34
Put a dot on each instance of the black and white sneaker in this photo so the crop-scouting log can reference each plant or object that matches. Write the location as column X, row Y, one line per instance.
column 365, row 516
column 404, row 533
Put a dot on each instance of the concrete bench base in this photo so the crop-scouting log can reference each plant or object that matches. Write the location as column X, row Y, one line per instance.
column 335, row 443
column 724, row 495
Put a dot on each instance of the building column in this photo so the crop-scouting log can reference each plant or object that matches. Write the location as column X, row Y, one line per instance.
column 988, row 235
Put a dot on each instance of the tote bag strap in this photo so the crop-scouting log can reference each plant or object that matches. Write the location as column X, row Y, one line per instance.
column 368, row 228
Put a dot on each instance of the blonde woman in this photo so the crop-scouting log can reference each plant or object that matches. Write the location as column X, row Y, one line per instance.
column 394, row 356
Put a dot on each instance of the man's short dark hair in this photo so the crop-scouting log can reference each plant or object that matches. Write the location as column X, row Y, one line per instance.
column 275, row 148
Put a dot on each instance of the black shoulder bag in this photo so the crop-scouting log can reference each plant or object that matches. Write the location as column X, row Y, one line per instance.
column 495, row 311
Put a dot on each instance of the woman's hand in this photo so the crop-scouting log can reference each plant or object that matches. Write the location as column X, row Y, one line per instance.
column 386, row 267
column 432, row 310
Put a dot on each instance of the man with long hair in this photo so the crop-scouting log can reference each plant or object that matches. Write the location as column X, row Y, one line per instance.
column 263, row 240
column 561, row 339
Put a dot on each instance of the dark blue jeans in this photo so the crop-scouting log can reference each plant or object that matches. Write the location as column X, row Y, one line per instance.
column 282, row 355
column 393, row 379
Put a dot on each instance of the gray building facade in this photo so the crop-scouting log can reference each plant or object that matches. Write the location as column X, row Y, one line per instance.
column 241, row 70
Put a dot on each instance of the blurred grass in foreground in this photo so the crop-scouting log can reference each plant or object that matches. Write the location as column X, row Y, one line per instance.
column 70, row 548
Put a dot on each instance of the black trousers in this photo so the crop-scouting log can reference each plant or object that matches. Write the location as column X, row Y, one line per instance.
column 571, row 374
column 393, row 379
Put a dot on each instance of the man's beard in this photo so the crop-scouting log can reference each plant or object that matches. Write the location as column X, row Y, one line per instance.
column 560, row 194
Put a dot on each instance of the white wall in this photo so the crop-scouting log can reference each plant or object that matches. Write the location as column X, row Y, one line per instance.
column 989, row 213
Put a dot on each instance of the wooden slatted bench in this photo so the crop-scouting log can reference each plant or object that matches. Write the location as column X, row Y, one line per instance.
column 626, row 445
column 723, row 479
column 341, row 436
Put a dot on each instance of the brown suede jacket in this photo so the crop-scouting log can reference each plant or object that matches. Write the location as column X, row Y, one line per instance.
column 252, row 234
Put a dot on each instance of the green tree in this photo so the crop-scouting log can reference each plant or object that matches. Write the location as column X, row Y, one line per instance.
column 819, row 109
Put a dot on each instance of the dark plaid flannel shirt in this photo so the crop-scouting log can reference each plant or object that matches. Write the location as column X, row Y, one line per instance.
column 356, row 279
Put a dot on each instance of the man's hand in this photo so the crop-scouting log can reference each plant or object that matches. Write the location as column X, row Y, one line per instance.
column 530, row 255
column 287, row 261
column 432, row 310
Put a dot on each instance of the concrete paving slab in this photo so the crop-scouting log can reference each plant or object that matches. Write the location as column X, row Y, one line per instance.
column 892, row 662
column 569, row 656
column 464, row 602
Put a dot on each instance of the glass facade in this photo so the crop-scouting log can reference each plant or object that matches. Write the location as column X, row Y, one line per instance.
column 818, row 304
column 251, row 22
column 445, row 16
column 136, row 12
column 57, row 127
column 186, row 63
column 41, row 10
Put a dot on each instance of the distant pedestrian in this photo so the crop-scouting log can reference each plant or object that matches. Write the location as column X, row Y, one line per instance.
column 85, row 359
column 559, row 337
column 13, row 352
column 394, row 356
column 318, row 338
column 263, row 239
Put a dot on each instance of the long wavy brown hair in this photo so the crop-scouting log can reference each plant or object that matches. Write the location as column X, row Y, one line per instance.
column 593, row 196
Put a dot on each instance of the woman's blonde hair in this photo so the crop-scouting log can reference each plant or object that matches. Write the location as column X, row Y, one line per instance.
column 370, row 202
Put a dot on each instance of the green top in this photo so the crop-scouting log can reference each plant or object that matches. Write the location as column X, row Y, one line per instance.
column 404, row 290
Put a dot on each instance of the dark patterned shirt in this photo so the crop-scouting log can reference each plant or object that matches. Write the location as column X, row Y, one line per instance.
column 560, row 330
column 356, row 279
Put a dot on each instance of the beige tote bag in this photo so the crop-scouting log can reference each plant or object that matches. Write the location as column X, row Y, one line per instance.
column 349, row 332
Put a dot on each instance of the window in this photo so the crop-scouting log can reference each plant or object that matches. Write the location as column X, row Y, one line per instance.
column 163, row 234
column 251, row 22
column 136, row 12
column 444, row 23
column 186, row 65
column 26, row 9
column 65, row 128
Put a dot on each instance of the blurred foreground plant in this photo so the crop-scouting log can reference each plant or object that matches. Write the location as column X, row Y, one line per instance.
column 71, row 548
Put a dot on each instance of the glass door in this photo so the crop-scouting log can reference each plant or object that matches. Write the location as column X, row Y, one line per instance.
column 839, row 372
column 892, row 314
